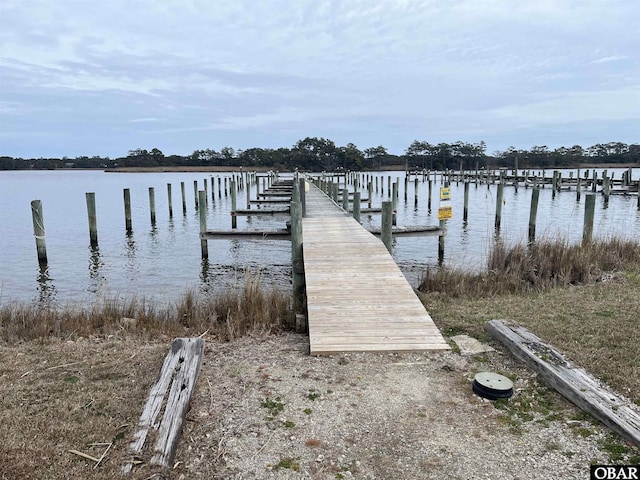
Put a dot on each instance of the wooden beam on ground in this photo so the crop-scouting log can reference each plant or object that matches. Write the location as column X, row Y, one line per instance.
column 178, row 376
column 574, row 383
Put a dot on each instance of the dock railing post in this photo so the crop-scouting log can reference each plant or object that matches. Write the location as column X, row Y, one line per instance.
column 356, row 206
column 589, row 211
column 386, row 226
column 302, row 187
column 38, row 231
column 297, row 266
column 204, row 248
column 394, row 201
column 345, row 199
column 93, row 221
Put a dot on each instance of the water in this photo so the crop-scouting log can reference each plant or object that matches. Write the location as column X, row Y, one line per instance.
column 160, row 263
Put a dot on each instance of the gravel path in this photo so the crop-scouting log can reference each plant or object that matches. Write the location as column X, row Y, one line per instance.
column 265, row 409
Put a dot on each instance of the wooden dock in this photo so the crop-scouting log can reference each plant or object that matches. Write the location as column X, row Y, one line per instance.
column 357, row 298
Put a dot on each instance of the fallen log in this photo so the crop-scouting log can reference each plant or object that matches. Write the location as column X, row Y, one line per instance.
column 574, row 383
column 178, row 376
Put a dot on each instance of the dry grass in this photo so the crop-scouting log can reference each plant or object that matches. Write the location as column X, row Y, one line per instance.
column 540, row 266
column 583, row 300
column 234, row 313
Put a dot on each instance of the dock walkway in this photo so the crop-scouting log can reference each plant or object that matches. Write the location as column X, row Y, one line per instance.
column 357, row 298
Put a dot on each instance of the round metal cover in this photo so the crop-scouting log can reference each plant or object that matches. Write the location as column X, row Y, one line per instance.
column 492, row 385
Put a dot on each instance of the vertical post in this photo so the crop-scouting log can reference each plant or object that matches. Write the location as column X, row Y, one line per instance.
column 430, row 187
column 219, row 187
column 442, row 224
column 606, row 189
column 93, row 221
column 388, row 185
column 195, row 193
column 465, row 212
column 415, row 191
column 499, row 206
column 345, row 200
column 533, row 213
column 127, row 210
column 554, row 184
column 406, row 187
column 578, row 188
column 394, row 201
column 204, row 248
column 385, row 228
column 248, row 195
column 38, row 231
column 226, row 191
column 589, row 211
column 184, row 199
column 170, row 200
column 302, row 187
column 232, row 188
column 206, row 191
column 356, row 206
column 370, row 192
column 297, row 264
column 152, row 206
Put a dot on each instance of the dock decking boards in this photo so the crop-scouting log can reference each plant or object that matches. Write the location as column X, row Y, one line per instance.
column 358, row 300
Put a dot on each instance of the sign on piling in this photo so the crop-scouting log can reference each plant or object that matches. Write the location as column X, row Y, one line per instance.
column 445, row 212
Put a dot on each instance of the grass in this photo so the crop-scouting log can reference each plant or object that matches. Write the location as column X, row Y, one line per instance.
column 582, row 300
column 232, row 314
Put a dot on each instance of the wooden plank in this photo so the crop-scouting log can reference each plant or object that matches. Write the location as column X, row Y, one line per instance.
column 179, row 373
column 574, row 383
column 357, row 297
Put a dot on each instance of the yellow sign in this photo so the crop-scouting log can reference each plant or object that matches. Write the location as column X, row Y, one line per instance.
column 445, row 193
column 445, row 213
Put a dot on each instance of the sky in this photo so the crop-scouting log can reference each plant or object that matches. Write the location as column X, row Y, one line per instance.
column 102, row 78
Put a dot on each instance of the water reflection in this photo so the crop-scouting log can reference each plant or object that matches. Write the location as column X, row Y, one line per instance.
column 131, row 263
column 46, row 287
column 95, row 264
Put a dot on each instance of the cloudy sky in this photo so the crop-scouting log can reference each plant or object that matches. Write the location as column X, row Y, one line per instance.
column 102, row 78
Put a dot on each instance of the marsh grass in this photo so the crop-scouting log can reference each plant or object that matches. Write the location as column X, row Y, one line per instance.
column 545, row 264
column 583, row 300
column 246, row 308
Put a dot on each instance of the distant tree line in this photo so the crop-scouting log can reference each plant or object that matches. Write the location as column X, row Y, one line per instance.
column 317, row 154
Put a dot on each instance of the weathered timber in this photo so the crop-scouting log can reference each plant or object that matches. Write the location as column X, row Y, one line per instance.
column 178, row 376
column 275, row 234
column 249, row 212
column 572, row 382
column 407, row 231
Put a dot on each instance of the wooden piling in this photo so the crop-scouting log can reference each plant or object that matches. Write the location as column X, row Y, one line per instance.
column 184, row 199
column 249, row 196
column 386, row 226
column 232, row 188
column 465, row 212
column 578, row 188
column 442, row 224
column 606, row 189
column 152, row 205
column 345, row 199
column 204, row 248
column 533, row 213
column 38, row 231
column 302, row 187
column 356, row 206
column 499, row 206
column 415, row 191
column 170, row 200
column 394, row 201
column 219, row 187
column 195, row 194
column 127, row 210
column 93, row 221
column 589, row 211
column 297, row 263
column 430, row 187
column 370, row 192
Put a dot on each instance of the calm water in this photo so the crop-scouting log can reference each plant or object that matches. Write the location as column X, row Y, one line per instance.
column 162, row 262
